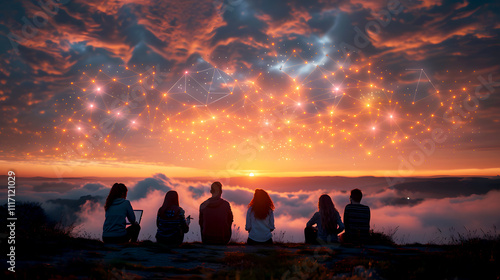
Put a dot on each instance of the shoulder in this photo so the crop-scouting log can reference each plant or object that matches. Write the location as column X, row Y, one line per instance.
column 181, row 211
column 226, row 203
column 362, row 206
column 204, row 204
column 352, row 206
column 316, row 215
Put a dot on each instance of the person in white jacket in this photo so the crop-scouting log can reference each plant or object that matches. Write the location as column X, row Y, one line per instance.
column 260, row 219
column 117, row 208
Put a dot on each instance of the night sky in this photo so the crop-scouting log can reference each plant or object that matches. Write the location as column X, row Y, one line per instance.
column 264, row 88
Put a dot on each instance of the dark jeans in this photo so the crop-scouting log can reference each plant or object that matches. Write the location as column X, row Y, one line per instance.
column 311, row 235
column 253, row 242
column 132, row 234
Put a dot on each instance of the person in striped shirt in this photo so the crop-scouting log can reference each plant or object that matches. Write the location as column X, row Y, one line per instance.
column 356, row 220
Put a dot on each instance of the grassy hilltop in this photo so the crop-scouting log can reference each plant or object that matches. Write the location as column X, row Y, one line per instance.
column 45, row 250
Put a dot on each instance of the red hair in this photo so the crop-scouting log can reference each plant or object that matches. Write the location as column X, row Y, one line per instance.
column 261, row 204
column 328, row 213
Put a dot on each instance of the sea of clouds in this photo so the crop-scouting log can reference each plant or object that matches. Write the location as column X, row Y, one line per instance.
column 421, row 211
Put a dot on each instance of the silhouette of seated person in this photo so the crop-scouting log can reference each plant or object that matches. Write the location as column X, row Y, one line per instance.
column 328, row 221
column 117, row 207
column 216, row 218
column 260, row 219
column 170, row 221
column 356, row 220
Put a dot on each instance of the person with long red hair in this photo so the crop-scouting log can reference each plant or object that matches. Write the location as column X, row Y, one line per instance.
column 116, row 208
column 170, row 221
column 328, row 221
column 260, row 219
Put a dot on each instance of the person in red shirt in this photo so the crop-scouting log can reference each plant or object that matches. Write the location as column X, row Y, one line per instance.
column 216, row 218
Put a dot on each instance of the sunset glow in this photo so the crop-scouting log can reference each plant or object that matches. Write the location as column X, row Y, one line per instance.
column 308, row 92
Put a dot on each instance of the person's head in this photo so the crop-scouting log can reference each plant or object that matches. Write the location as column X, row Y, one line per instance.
column 261, row 204
column 171, row 202
column 171, row 199
column 118, row 190
column 216, row 189
column 356, row 196
column 328, row 213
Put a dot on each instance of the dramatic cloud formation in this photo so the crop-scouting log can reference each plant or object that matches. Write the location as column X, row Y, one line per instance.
column 225, row 71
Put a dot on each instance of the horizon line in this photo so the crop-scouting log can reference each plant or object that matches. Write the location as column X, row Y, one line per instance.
column 71, row 169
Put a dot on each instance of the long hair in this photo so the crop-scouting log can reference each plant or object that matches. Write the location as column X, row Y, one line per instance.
column 118, row 190
column 261, row 204
column 171, row 202
column 328, row 213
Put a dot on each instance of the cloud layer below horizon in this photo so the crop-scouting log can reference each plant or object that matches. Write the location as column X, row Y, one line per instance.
column 427, row 215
